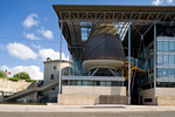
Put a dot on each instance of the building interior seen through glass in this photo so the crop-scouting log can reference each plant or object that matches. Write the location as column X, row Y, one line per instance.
column 93, row 83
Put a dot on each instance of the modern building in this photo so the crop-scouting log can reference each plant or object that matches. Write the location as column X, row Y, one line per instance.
column 119, row 54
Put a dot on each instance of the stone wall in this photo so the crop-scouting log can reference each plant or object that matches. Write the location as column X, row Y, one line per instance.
column 10, row 86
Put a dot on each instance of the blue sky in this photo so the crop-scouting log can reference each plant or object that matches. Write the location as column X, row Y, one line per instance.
column 29, row 31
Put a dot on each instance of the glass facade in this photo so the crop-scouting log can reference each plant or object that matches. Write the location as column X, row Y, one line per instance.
column 165, row 57
column 93, row 83
column 85, row 33
column 146, row 62
column 165, row 60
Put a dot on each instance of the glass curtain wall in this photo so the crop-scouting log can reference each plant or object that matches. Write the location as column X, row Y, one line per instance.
column 166, row 57
column 146, row 62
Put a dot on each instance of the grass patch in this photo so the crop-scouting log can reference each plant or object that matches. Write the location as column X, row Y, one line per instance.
column 30, row 80
column 14, row 79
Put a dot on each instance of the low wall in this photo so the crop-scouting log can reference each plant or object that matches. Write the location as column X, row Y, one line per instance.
column 165, row 100
column 146, row 95
column 93, row 90
column 112, row 100
column 165, row 92
column 91, row 99
column 164, row 96
column 89, row 95
column 77, row 99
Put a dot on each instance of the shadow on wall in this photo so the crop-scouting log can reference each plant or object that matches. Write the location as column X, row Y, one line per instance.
column 109, row 99
column 118, row 96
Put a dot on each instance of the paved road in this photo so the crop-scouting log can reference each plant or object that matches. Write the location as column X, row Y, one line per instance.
column 90, row 114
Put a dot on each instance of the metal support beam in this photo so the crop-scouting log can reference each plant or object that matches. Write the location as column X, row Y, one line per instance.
column 94, row 72
column 112, row 72
column 129, row 63
column 155, row 52
column 60, row 71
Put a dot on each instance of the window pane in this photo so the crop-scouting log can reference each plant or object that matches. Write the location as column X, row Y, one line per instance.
column 171, row 60
column 102, row 83
column 114, row 83
column 165, row 72
column 171, row 46
column 159, row 72
column 108, row 83
column 172, row 73
column 165, row 46
column 159, row 46
column 74, row 83
column 79, row 83
column 159, row 59
column 91, row 83
column 165, row 59
column 85, row 83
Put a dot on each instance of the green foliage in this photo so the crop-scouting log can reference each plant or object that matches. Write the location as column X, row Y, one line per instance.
column 2, row 74
column 22, row 76
column 30, row 80
column 14, row 79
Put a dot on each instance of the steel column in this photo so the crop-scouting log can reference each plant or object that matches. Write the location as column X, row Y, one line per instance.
column 155, row 59
column 129, row 63
column 60, row 61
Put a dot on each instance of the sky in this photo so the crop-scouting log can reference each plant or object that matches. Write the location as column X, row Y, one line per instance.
column 29, row 32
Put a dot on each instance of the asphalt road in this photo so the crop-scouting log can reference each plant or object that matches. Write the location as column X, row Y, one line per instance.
column 90, row 114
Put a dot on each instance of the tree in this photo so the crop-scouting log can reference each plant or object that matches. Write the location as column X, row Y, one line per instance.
column 2, row 74
column 22, row 75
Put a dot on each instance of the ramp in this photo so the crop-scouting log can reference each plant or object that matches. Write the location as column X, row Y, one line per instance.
column 32, row 91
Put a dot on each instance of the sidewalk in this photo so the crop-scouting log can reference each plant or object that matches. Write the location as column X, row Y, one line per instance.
column 96, row 108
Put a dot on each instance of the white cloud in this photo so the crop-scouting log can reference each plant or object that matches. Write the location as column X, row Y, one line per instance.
column 21, row 51
column 36, row 46
column 30, row 21
column 31, row 36
column 46, row 33
column 32, row 70
column 157, row 2
column 45, row 53
column 170, row 1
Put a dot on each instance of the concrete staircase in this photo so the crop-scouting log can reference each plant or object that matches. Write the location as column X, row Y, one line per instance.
column 32, row 91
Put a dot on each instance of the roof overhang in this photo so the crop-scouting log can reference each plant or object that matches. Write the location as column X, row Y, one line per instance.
column 114, row 13
column 142, row 17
